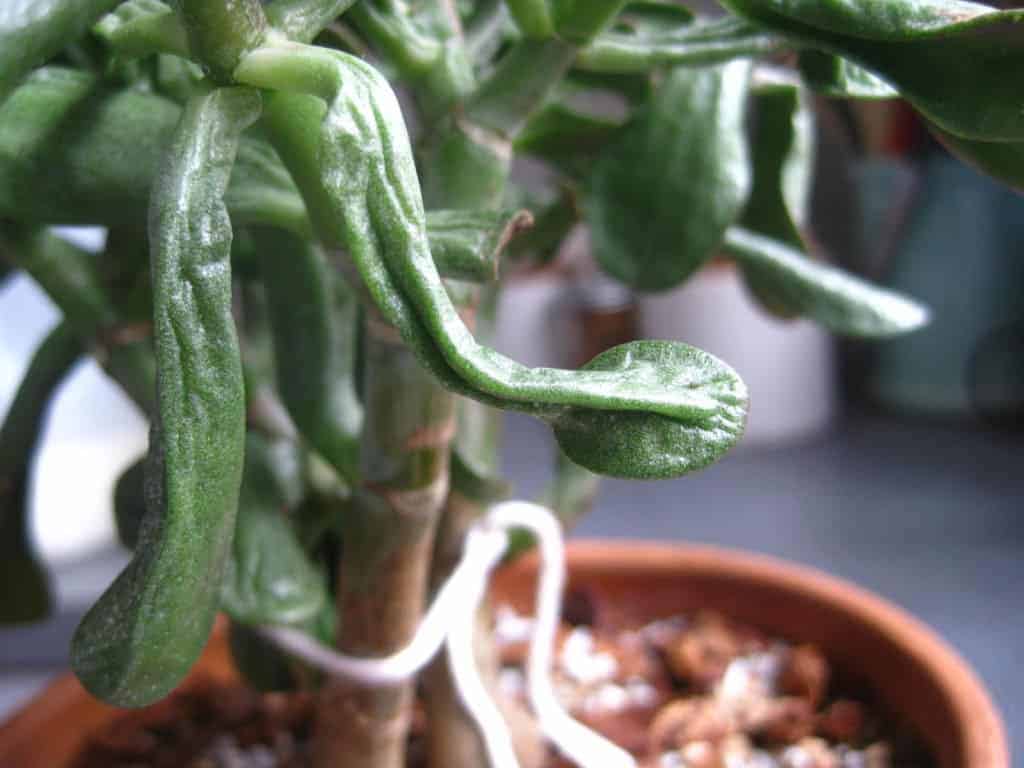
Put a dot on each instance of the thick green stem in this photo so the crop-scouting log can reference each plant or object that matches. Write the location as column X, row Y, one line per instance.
column 388, row 539
column 221, row 32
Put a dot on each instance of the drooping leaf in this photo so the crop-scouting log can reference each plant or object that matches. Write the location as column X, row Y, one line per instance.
column 835, row 76
column 662, row 196
column 269, row 579
column 782, row 150
column 147, row 629
column 839, row 301
column 951, row 59
column 377, row 214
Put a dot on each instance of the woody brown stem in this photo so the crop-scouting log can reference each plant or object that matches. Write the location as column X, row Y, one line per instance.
column 387, row 545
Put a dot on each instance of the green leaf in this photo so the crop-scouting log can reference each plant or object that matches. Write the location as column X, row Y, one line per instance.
column 840, row 302
column 32, row 31
column 782, row 148
column 561, row 131
column 662, row 196
column 147, row 629
column 952, row 60
column 649, row 445
column 470, row 243
column 303, row 20
column 367, row 178
column 842, row 79
column 269, row 579
column 314, row 319
column 637, row 46
column 1002, row 160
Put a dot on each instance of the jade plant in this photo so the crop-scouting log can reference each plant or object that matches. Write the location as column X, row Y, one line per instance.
column 300, row 275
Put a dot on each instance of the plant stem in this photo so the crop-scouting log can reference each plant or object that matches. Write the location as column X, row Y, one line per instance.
column 221, row 32
column 388, row 540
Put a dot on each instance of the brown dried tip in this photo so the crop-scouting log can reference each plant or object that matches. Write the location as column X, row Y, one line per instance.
column 805, row 673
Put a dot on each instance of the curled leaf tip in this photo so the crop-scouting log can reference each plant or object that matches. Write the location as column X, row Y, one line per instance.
column 645, row 445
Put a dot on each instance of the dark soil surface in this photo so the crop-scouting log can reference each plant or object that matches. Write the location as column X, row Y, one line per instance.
column 694, row 691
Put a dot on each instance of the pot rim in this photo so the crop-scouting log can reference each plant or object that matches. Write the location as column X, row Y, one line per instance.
column 983, row 732
column 982, row 736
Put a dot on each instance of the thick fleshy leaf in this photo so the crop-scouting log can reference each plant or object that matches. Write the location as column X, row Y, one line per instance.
column 31, row 31
column 835, row 76
column 662, row 196
column 269, row 579
column 839, row 301
column 1002, row 160
column 368, row 179
column 313, row 316
column 668, row 40
column 952, row 60
column 649, row 445
column 782, row 150
column 147, row 629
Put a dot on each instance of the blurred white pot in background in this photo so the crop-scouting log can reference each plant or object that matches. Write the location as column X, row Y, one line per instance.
column 788, row 366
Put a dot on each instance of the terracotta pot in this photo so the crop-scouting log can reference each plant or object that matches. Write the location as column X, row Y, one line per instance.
column 913, row 672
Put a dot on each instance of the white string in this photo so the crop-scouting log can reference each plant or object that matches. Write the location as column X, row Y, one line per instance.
column 580, row 744
column 403, row 665
column 473, row 693
column 450, row 621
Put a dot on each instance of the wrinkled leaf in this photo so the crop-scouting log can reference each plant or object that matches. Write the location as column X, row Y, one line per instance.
column 662, row 196
column 955, row 61
column 269, row 579
column 837, row 77
column 839, row 301
column 148, row 628
column 378, row 215
column 782, row 149
column 648, row 445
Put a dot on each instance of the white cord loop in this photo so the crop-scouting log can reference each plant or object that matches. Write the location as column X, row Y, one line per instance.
column 450, row 621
